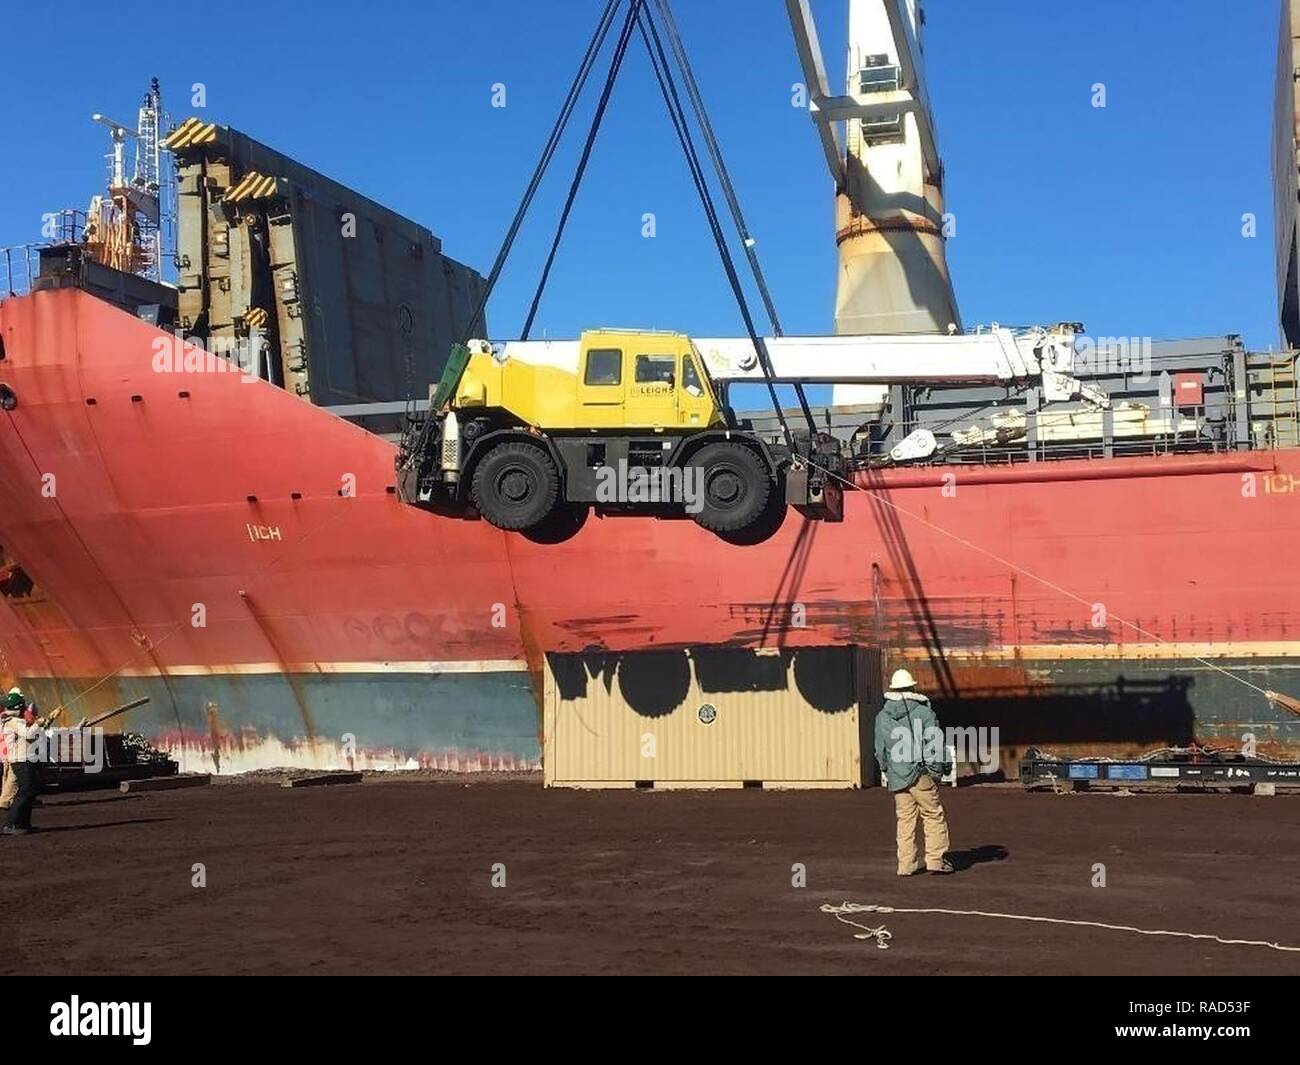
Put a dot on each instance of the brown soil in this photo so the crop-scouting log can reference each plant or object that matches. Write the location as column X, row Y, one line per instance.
column 394, row 876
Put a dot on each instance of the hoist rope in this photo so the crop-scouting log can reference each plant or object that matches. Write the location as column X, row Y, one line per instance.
column 719, row 162
column 620, row 52
column 412, row 451
column 668, row 88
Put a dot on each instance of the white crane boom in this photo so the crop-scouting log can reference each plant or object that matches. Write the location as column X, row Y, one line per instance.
column 996, row 356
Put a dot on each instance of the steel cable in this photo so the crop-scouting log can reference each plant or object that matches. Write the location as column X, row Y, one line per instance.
column 620, row 52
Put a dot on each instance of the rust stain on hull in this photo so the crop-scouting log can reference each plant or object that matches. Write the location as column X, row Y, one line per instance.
column 291, row 678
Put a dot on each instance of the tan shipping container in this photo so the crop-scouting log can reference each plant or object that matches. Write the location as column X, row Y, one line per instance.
column 710, row 718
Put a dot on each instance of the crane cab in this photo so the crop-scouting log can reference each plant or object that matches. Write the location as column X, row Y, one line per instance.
column 609, row 379
column 640, row 380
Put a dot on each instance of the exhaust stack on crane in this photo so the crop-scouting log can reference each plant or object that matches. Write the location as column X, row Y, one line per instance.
column 889, row 213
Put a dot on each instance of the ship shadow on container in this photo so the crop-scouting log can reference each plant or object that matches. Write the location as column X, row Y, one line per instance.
column 710, row 717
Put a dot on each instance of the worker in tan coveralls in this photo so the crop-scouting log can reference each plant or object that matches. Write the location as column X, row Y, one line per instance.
column 19, row 733
column 906, row 731
column 13, row 706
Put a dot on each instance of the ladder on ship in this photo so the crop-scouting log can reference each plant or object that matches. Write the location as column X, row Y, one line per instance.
column 1274, row 403
column 1285, row 401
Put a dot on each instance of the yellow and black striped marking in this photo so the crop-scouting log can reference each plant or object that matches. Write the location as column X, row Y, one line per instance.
column 253, row 186
column 191, row 133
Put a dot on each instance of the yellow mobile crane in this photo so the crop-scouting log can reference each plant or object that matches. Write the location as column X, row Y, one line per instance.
column 520, row 432
column 529, row 428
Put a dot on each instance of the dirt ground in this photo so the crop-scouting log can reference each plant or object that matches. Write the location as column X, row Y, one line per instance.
column 395, row 876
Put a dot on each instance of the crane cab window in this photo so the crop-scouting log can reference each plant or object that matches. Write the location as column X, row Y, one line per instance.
column 604, row 367
column 690, row 379
column 656, row 370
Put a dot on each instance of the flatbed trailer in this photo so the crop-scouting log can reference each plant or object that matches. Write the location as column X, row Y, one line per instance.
column 1175, row 769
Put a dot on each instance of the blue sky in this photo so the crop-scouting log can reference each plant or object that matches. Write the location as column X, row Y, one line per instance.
column 1127, row 219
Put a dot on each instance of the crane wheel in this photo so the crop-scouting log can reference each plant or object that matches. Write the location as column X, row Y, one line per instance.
column 515, row 486
column 736, row 487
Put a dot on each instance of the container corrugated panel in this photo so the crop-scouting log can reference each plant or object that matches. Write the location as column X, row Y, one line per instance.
column 710, row 717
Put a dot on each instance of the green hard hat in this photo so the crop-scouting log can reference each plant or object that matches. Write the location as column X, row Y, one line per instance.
column 15, row 701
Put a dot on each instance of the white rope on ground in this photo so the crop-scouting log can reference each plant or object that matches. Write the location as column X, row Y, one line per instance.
column 881, row 934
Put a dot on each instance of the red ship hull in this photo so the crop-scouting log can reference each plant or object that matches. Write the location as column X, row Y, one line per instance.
column 241, row 557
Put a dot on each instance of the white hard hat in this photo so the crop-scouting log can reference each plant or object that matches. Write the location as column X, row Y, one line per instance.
column 901, row 681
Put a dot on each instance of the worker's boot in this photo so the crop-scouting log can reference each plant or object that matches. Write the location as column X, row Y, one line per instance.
column 943, row 869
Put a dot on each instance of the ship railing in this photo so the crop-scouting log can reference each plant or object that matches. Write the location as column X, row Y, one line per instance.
column 19, row 265
column 1030, row 444
column 65, row 227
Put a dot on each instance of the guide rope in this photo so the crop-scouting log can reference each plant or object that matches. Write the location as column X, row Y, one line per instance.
column 994, row 556
column 881, row 935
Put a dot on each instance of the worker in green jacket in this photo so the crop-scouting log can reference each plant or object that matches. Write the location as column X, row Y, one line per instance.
column 910, row 750
column 12, row 706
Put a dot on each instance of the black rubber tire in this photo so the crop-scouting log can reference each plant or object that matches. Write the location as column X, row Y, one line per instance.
column 736, row 487
column 515, row 486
